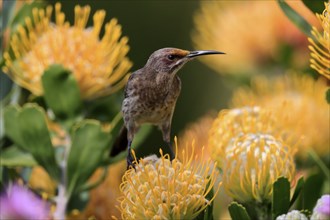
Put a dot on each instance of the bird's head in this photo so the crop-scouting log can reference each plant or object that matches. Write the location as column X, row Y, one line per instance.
column 170, row 60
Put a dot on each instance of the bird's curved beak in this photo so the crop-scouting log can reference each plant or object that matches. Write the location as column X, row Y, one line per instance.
column 196, row 53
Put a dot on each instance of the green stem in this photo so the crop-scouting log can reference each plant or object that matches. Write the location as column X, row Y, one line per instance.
column 62, row 197
column 263, row 212
column 116, row 120
column 260, row 211
column 320, row 163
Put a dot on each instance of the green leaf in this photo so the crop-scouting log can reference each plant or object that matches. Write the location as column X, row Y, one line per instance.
column 8, row 175
column 296, row 18
column 2, row 61
column 319, row 162
column 207, row 214
column 117, row 123
column 327, row 96
column 281, row 197
column 11, row 97
column 89, row 144
column 14, row 157
column 27, row 128
column 311, row 192
column 7, row 13
column 35, row 135
column 104, row 108
column 298, row 189
column 316, row 6
column 61, row 92
column 11, row 125
column 238, row 212
column 2, row 184
column 78, row 201
column 25, row 11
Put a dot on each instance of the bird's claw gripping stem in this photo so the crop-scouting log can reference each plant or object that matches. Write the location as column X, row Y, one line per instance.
column 129, row 158
column 130, row 162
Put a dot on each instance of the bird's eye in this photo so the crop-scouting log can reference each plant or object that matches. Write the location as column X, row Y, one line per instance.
column 171, row 57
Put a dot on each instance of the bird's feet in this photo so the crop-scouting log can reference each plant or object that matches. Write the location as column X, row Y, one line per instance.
column 172, row 155
column 130, row 160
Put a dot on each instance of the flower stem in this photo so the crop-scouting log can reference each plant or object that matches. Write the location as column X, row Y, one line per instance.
column 260, row 211
column 62, row 198
column 320, row 163
column 263, row 212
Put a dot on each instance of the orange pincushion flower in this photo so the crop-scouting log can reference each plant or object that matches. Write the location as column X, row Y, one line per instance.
column 250, row 32
column 100, row 66
column 320, row 49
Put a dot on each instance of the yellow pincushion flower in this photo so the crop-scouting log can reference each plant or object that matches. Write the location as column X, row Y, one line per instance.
column 250, row 32
column 100, row 66
column 234, row 123
column 299, row 106
column 253, row 164
column 320, row 50
column 164, row 189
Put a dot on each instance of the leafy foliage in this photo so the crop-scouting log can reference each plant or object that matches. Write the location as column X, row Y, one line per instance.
column 279, row 205
column 89, row 143
column 314, row 6
column 61, row 92
column 296, row 18
column 207, row 214
column 298, row 189
column 238, row 212
column 13, row 157
column 310, row 193
column 281, row 197
column 27, row 127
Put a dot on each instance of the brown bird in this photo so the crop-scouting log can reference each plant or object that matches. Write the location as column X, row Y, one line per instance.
column 151, row 94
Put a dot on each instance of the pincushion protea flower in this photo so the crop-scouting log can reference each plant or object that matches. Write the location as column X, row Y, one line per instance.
column 99, row 65
column 253, row 164
column 234, row 123
column 298, row 104
column 293, row 215
column 320, row 49
column 322, row 209
column 252, row 32
column 164, row 189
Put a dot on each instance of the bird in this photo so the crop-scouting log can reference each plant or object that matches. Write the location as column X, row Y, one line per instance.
column 150, row 96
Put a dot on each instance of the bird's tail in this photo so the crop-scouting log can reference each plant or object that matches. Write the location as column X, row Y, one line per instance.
column 120, row 143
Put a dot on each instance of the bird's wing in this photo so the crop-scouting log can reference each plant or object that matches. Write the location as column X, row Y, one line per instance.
column 131, row 83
